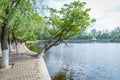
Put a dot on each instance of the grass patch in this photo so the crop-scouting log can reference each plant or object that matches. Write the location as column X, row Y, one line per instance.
column 33, row 47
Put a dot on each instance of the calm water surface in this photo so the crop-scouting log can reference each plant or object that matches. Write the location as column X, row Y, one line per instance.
column 84, row 61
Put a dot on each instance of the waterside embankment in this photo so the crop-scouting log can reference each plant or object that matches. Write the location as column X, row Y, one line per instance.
column 24, row 66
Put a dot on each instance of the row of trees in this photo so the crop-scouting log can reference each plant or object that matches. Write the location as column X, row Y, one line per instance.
column 114, row 34
column 105, row 34
column 19, row 20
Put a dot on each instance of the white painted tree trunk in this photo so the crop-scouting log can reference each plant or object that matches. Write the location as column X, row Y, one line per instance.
column 16, row 46
column 10, row 48
column 5, row 58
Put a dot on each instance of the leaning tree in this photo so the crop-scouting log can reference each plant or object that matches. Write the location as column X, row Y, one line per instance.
column 66, row 23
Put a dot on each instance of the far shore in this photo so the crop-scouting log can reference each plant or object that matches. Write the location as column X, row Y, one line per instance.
column 82, row 41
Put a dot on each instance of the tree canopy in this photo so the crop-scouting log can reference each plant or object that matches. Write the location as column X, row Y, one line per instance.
column 18, row 18
column 23, row 18
column 67, row 22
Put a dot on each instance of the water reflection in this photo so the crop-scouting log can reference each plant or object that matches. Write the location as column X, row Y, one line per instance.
column 86, row 61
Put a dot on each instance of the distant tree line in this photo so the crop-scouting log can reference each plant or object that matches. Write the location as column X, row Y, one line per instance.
column 105, row 34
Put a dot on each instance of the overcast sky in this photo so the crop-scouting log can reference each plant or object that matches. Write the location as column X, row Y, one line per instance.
column 107, row 12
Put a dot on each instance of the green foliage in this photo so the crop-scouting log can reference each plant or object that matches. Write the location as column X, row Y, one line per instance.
column 84, row 36
column 103, row 35
column 114, row 34
column 23, row 19
column 71, row 19
column 33, row 47
column 66, row 23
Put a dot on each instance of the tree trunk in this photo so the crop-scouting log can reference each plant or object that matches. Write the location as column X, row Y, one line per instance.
column 54, row 41
column 15, row 41
column 9, row 44
column 42, row 52
column 16, row 47
column 47, row 46
column 4, row 46
column 10, row 47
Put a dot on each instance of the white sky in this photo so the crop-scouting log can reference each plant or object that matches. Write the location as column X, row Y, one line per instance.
column 106, row 12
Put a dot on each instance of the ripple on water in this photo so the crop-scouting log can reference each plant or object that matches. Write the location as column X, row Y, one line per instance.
column 85, row 62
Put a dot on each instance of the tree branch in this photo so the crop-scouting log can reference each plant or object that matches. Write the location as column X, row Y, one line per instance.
column 2, row 17
column 65, row 42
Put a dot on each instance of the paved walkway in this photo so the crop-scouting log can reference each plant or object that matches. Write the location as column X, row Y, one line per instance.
column 25, row 67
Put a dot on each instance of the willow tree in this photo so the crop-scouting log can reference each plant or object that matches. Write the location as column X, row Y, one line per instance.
column 8, row 11
column 66, row 23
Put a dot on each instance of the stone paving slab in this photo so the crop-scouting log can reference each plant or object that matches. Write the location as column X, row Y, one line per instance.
column 26, row 70
column 25, row 67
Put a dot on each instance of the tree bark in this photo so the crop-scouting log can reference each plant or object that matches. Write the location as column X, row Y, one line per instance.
column 54, row 41
column 42, row 52
column 46, row 48
column 4, row 46
column 9, row 44
column 15, row 41
column 4, row 35
column 16, row 47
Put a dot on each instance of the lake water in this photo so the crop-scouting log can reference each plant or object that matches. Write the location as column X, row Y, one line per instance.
column 84, row 61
